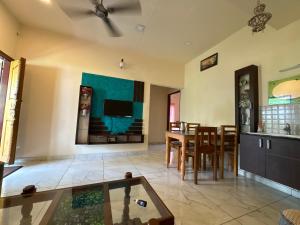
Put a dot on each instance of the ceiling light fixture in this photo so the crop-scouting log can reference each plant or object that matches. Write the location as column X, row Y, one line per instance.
column 122, row 64
column 46, row 1
column 259, row 20
column 188, row 43
column 140, row 28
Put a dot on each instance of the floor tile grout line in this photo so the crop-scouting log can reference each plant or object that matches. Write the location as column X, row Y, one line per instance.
column 103, row 167
column 135, row 166
column 65, row 173
column 39, row 213
column 234, row 218
column 252, row 211
column 211, row 201
column 231, row 221
column 171, row 175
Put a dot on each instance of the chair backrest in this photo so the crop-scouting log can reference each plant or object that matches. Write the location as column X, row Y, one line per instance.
column 174, row 126
column 206, row 136
column 192, row 126
column 229, row 136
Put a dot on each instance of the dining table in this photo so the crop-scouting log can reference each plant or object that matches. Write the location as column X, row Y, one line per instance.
column 184, row 137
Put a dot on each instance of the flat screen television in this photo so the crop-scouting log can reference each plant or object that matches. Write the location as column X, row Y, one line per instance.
column 118, row 108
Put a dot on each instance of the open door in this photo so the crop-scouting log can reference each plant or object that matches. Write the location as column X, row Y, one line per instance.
column 173, row 107
column 12, row 111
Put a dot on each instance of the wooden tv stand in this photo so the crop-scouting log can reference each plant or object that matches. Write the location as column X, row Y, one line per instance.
column 116, row 138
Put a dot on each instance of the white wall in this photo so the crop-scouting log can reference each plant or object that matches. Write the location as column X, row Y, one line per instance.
column 9, row 28
column 208, row 96
column 53, row 75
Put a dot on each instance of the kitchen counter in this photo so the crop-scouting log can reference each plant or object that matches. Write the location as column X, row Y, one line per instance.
column 274, row 135
column 273, row 156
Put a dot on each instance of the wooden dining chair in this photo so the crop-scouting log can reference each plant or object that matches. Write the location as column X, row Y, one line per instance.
column 192, row 126
column 175, row 144
column 205, row 143
column 174, row 126
column 189, row 153
column 229, row 145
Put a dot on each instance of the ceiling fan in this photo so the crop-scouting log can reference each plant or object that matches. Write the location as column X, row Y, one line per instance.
column 103, row 12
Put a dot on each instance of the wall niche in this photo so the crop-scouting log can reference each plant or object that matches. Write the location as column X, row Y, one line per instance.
column 116, row 111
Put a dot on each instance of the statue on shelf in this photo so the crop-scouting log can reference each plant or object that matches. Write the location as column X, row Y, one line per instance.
column 245, row 106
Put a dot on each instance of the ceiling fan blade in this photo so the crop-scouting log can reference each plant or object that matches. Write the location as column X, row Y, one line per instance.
column 113, row 30
column 94, row 2
column 78, row 13
column 133, row 6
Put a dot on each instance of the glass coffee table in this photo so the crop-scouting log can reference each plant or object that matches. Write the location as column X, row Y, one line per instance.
column 107, row 203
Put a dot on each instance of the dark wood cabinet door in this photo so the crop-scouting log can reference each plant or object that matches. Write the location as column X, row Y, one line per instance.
column 252, row 156
column 296, row 174
column 279, row 169
column 283, row 161
column 285, row 147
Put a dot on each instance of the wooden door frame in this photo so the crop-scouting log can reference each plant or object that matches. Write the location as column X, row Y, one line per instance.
column 13, row 102
column 168, row 106
column 5, row 56
column 5, row 75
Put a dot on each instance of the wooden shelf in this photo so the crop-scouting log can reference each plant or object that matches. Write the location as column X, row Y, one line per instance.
column 119, row 139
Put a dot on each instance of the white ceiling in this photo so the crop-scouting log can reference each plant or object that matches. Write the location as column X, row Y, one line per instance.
column 169, row 23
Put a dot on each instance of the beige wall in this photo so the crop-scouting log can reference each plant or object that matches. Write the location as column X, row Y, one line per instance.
column 8, row 34
column 53, row 75
column 158, row 113
column 208, row 96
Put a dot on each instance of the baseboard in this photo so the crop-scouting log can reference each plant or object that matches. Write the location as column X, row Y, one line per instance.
column 102, row 155
column 270, row 183
column 43, row 158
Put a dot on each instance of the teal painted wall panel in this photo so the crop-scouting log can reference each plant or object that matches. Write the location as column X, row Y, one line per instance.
column 112, row 88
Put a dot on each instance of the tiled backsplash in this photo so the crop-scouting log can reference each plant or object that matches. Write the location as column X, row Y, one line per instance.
column 275, row 118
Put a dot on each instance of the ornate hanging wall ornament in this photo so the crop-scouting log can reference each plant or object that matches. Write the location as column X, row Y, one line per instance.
column 259, row 20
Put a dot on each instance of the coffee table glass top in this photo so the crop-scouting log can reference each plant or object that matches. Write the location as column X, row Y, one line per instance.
column 83, row 206
column 108, row 203
column 124, row 207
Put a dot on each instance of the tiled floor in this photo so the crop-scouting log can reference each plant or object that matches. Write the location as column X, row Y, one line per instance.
column 231, row 201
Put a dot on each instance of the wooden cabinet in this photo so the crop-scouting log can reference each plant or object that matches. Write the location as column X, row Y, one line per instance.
column 296, row 174
column 83, row 115
column 253, row 157
column 275, row 158
column 246, row 98
column 282, row 158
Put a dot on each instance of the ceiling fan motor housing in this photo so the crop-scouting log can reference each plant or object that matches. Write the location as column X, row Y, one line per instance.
column 101, row 11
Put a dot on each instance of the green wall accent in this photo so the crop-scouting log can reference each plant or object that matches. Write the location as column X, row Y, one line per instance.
column 112, row 88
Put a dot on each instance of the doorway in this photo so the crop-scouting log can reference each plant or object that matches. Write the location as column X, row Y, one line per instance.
column 4, row 75
column 158, row 119
column 11, row 85
column 173, row 107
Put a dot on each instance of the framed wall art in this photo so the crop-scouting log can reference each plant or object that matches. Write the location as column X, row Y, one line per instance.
column 284, row 91
column 209, row 62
